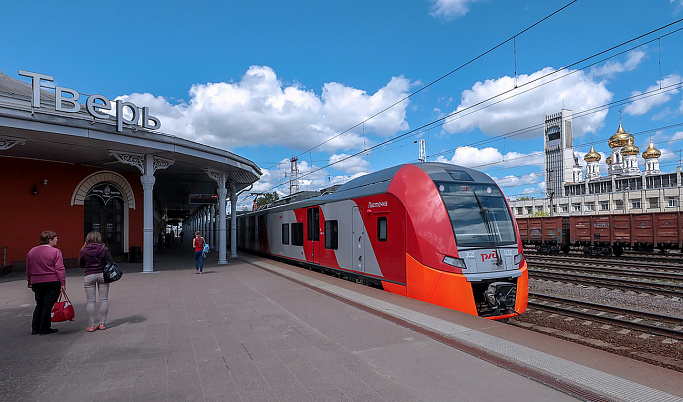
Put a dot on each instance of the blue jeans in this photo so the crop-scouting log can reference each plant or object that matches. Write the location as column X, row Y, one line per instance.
column 199, row 260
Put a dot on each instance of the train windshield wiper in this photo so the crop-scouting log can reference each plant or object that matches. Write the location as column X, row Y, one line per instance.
column 484, row 212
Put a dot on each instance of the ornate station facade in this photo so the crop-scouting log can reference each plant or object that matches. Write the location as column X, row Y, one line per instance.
column 75, row 165
column 625, row 189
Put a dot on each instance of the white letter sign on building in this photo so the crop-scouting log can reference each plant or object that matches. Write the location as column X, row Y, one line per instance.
column 69, row 104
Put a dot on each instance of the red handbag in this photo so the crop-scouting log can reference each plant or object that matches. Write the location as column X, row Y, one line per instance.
column 63, row 310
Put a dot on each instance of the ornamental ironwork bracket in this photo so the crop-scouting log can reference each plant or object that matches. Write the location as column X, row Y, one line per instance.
column 161, row 163
column 8, row 142
column 138, row 160
column 218, row 177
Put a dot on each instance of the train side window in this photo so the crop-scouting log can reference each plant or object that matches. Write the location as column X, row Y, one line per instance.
column 285, row 233
column 382, row 228
column 332, row 235
column 298, row 234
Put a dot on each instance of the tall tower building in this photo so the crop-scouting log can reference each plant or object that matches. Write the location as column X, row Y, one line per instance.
column 559, row 155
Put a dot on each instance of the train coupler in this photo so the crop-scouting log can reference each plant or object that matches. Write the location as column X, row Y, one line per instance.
column 501, row 296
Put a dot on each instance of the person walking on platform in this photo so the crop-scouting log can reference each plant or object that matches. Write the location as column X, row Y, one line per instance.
column 92, row 258
column 46, row 277
column 198, row 245
column 182, row 236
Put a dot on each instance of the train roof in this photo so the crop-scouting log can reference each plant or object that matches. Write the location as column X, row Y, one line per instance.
column 378, row 182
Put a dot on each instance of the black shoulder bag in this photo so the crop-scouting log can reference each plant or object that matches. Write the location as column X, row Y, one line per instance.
column 112, row 272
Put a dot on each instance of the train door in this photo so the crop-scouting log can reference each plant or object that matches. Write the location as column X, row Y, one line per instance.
column 358, row 232
column 313, row 221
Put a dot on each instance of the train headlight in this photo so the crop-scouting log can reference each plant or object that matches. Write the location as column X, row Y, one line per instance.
column 456, row 262
column 519, row 258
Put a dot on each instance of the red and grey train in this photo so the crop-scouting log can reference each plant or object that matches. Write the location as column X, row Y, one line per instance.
column 435, row 232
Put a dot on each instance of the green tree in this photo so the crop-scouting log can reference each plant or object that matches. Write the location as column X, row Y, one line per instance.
column 540, row 214
column 266, row 199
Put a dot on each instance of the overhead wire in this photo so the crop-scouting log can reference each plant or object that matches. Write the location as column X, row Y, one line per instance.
column 434, row 122
column 463, row 65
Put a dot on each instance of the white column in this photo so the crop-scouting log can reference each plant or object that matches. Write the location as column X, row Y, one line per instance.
column 233, row 222
column 212, row 225
column 206, row 224
column 222, row 252
column 148, row 180
column 147, row 164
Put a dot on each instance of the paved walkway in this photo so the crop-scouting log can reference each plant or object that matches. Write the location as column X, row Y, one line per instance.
column 240, row 332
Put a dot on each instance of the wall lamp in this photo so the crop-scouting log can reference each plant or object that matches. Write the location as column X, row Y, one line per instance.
column 34, row 191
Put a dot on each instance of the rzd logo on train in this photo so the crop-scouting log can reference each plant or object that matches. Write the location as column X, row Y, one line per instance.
column 485, row 256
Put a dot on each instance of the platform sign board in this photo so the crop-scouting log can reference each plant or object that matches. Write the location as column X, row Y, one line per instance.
column 203, row 199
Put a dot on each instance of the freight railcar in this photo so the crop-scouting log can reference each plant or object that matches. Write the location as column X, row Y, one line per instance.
column 435, row 232
column 604, row 234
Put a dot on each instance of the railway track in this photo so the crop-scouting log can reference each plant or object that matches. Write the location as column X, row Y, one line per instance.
column 670, row 264
column 651, row 323
column 665, row 289
column 666, row 259
column 675, row 276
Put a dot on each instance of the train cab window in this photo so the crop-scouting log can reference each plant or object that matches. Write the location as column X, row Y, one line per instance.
column 382, row 228
column 298, row 234
column 285, row 233
column 332, row 235
column 479, row 214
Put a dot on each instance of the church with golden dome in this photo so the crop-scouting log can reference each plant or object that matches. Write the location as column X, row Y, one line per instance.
column 625, row 188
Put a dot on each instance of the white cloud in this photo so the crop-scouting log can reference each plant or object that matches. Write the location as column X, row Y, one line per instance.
column 450, row 9
column 480, row 158
column 345, row 107
column 644, row 105
column 524, row 180
column 678, row 4
column 351, row 165
column 677, row 136
column 633, row 59
column 310, row 177
column 260, row 109
column 522, row 110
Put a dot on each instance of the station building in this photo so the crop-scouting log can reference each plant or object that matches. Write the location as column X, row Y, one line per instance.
column 73, row 163
column 626, row 189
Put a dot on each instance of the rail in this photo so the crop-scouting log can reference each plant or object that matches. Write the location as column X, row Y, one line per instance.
column 617, row 321
column 675, row 276
column 642, row 287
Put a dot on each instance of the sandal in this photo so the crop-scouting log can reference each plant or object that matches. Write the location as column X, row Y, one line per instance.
column 101, row 327
column 90, row 328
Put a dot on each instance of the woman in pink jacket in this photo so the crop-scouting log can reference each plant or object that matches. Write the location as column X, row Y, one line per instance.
column 46, row 277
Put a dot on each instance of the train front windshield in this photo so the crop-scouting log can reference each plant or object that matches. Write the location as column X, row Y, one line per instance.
column 479, row 214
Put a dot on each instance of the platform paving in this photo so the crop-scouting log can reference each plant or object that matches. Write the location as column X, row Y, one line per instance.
column 257, row 330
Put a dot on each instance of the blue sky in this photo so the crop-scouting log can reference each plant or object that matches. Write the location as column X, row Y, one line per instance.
column 271, row 80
